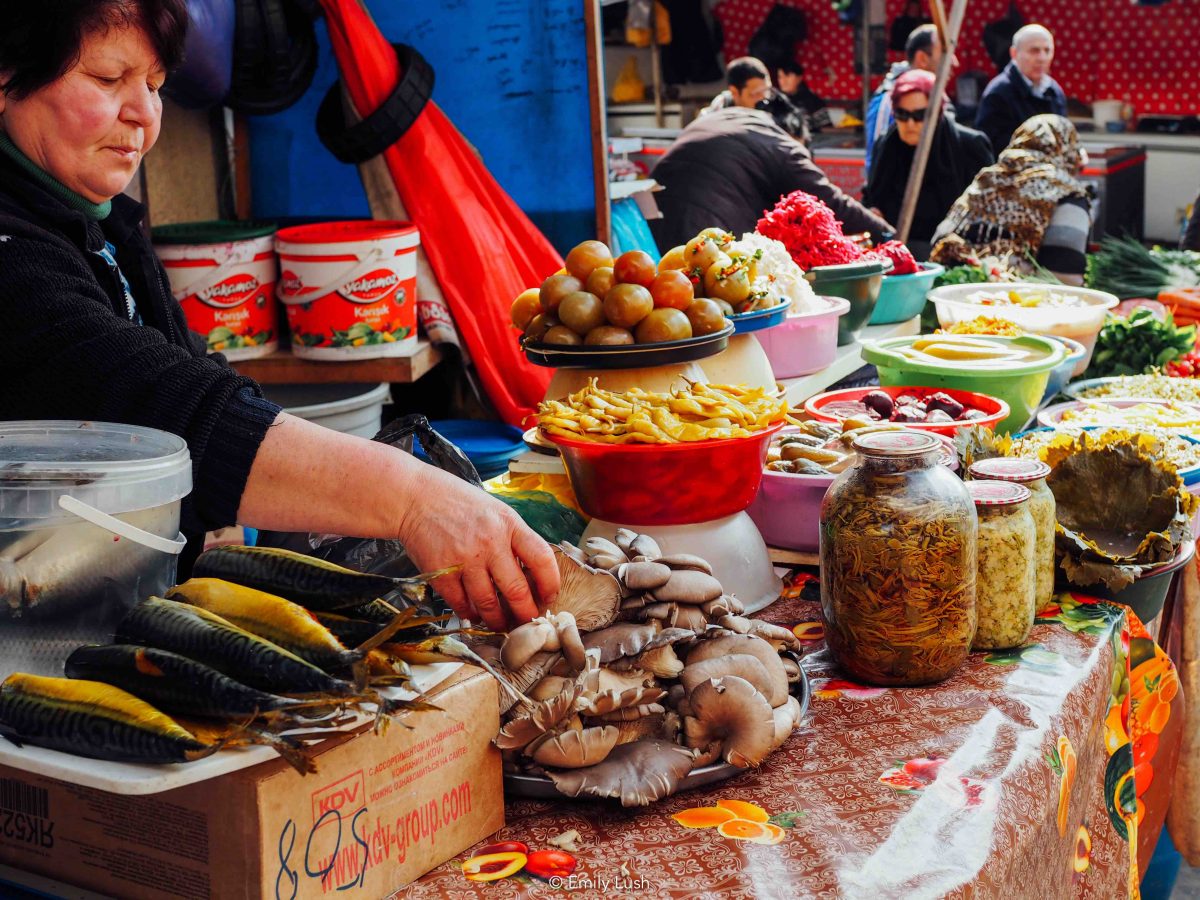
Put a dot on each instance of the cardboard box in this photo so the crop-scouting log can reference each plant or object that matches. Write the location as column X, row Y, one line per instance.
column 380, row 812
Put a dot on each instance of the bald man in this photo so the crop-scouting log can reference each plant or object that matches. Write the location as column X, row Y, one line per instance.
column 1024, row 89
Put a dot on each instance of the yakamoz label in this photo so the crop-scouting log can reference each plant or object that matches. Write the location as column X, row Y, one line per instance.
column 372, row 286
column 231, row 292
column 233, row 306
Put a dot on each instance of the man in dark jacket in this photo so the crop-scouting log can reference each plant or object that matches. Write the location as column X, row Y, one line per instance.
column 1023, row 90
column 730, row 166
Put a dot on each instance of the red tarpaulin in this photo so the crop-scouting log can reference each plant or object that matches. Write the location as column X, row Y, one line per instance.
column 483, row 249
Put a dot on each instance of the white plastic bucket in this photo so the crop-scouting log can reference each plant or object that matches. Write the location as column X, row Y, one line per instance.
column 349, row 408
column 349, row 288
column 223, row 275
column 89, row 526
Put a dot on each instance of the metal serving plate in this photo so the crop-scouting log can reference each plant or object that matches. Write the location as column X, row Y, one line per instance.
column 539, row 787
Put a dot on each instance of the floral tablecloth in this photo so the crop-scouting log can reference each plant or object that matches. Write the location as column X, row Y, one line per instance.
column 1040, row 772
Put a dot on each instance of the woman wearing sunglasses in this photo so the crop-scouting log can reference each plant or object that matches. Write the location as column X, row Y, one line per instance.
column 958, row 153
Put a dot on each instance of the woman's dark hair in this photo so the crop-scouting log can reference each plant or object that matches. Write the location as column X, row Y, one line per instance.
column 39, row 44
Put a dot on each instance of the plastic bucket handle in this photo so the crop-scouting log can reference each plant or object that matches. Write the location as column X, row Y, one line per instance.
column 361, row 267
column 123, row 529
column 239, row 254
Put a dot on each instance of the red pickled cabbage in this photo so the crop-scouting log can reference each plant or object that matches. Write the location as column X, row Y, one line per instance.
column 902, row 260
column 809, row 230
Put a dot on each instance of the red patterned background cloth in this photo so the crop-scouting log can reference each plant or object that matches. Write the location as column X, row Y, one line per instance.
column 1105, row 49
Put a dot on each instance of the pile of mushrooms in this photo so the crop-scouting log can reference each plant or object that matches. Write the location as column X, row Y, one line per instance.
column 642, row 670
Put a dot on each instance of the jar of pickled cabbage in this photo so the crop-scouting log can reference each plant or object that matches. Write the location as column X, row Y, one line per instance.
column 898, row 533
column 1006, row 580
column 1031, row 473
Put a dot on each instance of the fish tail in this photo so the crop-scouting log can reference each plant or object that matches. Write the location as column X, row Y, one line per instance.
column 403, row 619
column 360, row 673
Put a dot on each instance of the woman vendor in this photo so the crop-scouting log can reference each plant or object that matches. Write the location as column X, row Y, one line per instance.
column 956, row 155
column 91, row 331
column 1030, row 207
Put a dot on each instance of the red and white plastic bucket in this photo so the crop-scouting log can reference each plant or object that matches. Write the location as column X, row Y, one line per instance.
column 349, row 288
column 223, row 275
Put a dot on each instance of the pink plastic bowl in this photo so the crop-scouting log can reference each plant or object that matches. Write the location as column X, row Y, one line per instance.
column 805, row 343
column 787, row 509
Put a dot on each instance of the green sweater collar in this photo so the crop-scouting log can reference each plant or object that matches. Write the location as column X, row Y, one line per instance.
column 95, row 211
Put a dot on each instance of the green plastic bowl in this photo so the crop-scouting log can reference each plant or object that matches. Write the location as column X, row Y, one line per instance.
column 1020, row 386
column 858, row 282
column 903, row 296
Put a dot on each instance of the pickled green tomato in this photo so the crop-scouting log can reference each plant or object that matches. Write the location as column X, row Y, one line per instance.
column 584, row 258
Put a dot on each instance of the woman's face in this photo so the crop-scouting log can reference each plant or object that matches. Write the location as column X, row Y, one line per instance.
column 91, row 127
column 906, row 110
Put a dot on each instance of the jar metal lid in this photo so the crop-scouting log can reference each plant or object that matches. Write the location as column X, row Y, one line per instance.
column 1010, row 468
column 897, row 443
column 997, row 493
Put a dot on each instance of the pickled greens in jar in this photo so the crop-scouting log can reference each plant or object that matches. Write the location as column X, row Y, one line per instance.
column 898, row 563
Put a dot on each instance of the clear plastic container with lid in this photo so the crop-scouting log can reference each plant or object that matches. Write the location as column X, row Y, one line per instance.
column 1031, row 473
column 65, row 580
column 898, row 535
column 1006, row 583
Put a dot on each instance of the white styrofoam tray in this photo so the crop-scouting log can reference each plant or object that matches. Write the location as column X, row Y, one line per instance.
column 142, row 778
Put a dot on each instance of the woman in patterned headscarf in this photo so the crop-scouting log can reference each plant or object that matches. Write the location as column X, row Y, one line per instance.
column 1029, row 205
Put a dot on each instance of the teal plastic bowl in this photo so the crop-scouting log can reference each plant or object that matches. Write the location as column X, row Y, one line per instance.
column 858, row 282
column 1019, row 385
column 903, row 296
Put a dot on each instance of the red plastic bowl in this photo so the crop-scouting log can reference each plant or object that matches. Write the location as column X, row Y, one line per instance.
column 665, row 484
column 995, row 408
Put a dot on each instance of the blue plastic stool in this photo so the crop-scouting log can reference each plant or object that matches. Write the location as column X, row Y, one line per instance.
column 1159, row 879
column 629, row 229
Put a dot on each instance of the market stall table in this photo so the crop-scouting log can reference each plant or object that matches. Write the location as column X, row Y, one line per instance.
column 993, row 783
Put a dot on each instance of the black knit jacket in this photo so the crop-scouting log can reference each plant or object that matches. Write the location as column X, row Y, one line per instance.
column 68, row 351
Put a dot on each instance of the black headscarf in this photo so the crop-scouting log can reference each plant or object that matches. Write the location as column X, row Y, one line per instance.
column 950, row 169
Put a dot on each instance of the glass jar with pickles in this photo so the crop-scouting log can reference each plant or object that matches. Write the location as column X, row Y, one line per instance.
column 1031, row 473
column 898, row 533
column 1006, row 581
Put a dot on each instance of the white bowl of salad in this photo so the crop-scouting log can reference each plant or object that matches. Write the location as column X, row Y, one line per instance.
column 1059, row 310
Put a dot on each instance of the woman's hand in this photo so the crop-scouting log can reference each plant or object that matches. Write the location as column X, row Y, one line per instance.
column 455, row 523
column 308, row 478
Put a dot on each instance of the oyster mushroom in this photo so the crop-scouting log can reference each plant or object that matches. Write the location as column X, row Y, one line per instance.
column 743, row 665
column 550, row 686
column 622, row 681
column 624, row 540
column 792, row 668
column 591, row 596
column 642, row 576
column 526, row 640
column 631, row 713
column 652, row 725
column 779, row 637
column 725, row 605
column 611, row 701
column 598, row 546
column 556, row 631
column 528, row 675
column 731, row 711
column 688, row 586
column 787, row 717
column 661, row 661
column 728, row 644
column 574, row 552
column 690, row 617
column 657, row 611
column 577, row 749
column 644, row 545
column 686, row 561
column 639, row 773
column 521, row 731
column 624, row 639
